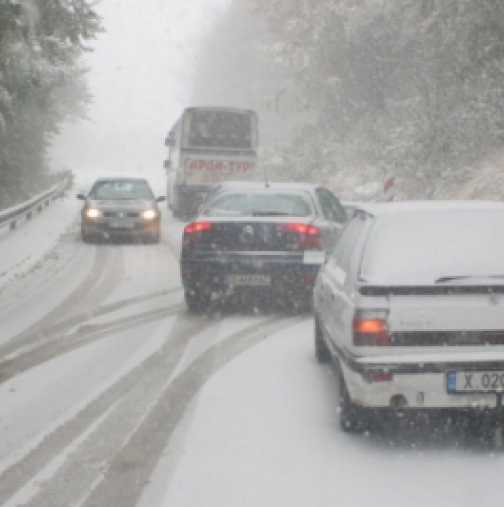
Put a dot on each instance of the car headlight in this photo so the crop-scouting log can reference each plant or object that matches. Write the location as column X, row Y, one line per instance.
column 149, row 214
column 93, row 213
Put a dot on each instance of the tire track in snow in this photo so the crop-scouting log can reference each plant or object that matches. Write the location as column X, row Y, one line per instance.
column 129, row 472
column 162, row 362
column 101, row 277
column 83, row 336
column 57, row 331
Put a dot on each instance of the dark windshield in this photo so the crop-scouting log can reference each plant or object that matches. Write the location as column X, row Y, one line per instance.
column 219, row 129
column 260, row 204
column 121, row 189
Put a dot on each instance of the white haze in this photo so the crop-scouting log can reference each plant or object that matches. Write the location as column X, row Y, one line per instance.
column 140, row 75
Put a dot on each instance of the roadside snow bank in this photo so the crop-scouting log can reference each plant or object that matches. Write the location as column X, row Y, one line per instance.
column 22, row 249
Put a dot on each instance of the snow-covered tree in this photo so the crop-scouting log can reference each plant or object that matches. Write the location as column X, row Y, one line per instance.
column 41, row 83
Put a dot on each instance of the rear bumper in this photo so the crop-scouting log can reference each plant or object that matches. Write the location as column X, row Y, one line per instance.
column 419, row 387
column 104, row 227
column 287, row 272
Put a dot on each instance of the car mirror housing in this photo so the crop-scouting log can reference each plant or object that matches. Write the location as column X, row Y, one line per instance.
column 81, row 197
column 161, row 198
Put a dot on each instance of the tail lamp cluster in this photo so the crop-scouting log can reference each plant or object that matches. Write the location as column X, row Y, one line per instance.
column 196, row 227
column 308, row 236
column 370, row 329
column 194, row 231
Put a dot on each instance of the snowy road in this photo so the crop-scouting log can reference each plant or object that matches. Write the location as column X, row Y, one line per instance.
column 111, row 394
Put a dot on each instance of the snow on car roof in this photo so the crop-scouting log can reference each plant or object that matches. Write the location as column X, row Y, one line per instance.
column 381, row 208
column 255, row 185
column 419, row 243
column 120, row 178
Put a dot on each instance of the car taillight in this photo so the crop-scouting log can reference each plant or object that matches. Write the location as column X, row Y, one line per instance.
column 370, row 329
column 196, row 227
column 379, row 376
column 308, row 235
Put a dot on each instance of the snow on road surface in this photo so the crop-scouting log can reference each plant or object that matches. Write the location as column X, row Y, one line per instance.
column 112, row 394
column 264, row 432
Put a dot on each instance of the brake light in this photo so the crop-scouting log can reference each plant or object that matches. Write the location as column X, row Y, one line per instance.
column 370, row 329
column 309, row 235
column 379, row 376
column 198, row 227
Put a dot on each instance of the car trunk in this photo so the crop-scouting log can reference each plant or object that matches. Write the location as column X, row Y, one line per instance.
column 458, row 316
column 253, row 234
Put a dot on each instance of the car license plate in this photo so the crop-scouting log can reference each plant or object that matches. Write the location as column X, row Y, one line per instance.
column 121, row 225
column 250, row 280
column 475, row 382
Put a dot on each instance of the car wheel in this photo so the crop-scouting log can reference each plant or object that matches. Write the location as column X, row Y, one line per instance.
column 86, row 238
column 352, row 419
column 152, row 238
column 321, row 351
column 482, row 429
column 196, row 301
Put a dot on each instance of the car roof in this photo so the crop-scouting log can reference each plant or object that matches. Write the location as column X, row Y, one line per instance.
column 258, row 186
column 120, row 178
column 218, row 108
column 399, row 207
column 418, row 242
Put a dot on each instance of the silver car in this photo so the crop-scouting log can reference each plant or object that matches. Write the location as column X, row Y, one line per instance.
column 410, row 307
column 120, row 208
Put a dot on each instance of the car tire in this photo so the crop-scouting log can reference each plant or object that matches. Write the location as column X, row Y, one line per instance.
column 352, row 419
column 196, row 301
column 321, row 351
column 152, row 238
column 86, row 238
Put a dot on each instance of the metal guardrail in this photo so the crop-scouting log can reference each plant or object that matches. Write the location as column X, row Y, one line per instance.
column 11, row 218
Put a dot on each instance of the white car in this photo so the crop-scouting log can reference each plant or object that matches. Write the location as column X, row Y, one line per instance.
column 410, row 306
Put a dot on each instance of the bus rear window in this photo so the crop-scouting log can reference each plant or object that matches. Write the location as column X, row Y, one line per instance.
column 219, row 129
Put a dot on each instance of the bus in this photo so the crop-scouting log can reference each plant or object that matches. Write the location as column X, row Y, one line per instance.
column 208, row 145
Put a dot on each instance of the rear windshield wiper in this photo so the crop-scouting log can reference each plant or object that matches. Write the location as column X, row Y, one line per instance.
column 269, row 213
column 454, row 278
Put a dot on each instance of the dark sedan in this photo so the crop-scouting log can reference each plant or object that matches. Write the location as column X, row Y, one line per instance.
column 265, row 239
column 120, row 208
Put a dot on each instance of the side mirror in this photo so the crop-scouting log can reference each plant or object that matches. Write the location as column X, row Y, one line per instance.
column 161, row 198
column 167, row 164
column 81, row 197
column 169, row 140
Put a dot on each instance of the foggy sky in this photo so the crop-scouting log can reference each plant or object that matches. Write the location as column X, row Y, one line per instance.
column 140, row 77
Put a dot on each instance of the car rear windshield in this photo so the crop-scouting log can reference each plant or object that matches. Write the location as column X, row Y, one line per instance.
column 124, row 189
column 428, row 247
column 260, row 204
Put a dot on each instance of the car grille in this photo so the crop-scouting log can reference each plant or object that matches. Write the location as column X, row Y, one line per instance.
column 121, row 214
column 447, row 338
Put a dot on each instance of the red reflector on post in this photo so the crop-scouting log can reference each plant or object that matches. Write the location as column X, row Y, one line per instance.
column 198, row 227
